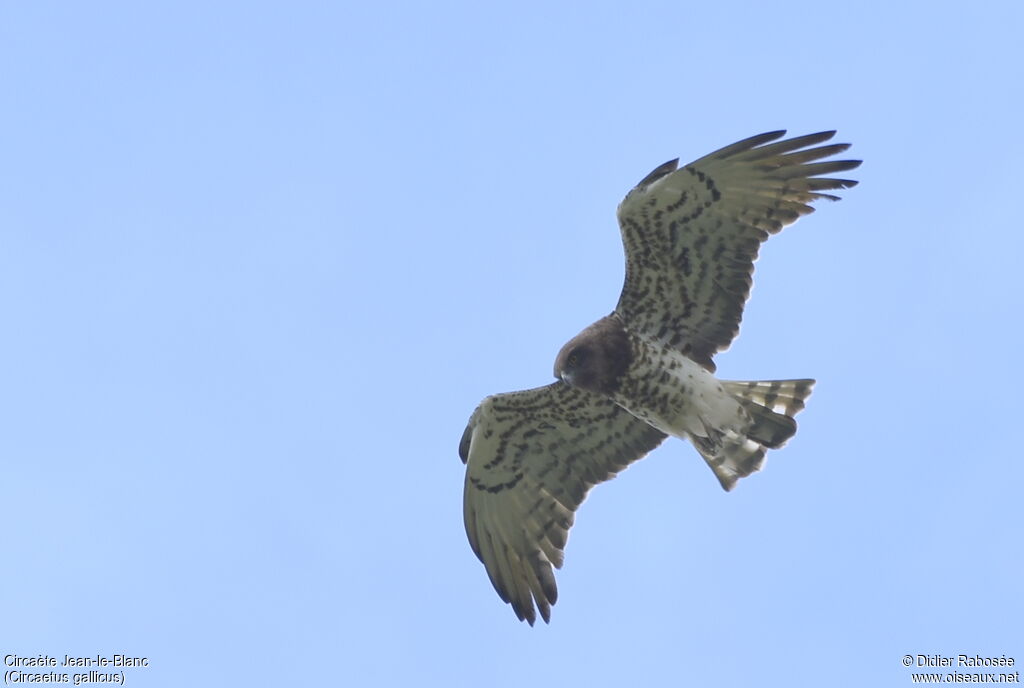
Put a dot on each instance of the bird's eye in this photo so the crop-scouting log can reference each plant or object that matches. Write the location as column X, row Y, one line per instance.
column 574, row 358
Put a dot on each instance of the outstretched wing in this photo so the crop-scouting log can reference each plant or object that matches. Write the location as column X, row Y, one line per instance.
column 691, row 235
column 531, row 458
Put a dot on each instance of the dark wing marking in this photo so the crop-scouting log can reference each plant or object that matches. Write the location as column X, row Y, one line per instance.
column 691, row 235
column 531, row 458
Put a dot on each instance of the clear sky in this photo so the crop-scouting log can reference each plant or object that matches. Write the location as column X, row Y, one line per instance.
column 260, row 261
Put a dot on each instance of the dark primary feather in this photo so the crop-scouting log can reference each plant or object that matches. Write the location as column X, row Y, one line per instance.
column 691, row 235
column 532, row 457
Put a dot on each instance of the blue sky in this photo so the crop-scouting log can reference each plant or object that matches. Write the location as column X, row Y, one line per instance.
column 259, row 262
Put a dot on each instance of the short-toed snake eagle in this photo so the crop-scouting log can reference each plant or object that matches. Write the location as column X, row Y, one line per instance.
column 645, row 371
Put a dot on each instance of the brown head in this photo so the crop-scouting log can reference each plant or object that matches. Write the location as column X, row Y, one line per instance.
column 596, row 358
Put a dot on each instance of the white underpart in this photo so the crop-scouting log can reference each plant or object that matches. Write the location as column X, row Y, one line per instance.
column 689, row 399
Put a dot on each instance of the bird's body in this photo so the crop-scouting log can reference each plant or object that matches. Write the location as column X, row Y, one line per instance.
column 645, row 371
column 729, row 426
column 682, row 398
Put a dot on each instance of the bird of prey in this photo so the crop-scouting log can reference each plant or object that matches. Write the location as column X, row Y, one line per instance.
column 645, row 371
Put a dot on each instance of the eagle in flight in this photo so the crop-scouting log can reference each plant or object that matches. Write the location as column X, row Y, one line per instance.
column 645, row 371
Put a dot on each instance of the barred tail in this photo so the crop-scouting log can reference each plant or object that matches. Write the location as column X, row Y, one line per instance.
column 770, row 405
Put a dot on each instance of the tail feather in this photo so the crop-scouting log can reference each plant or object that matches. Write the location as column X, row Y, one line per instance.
column 785, row 396
column 731, row 457
column 770, row 407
